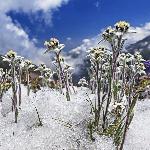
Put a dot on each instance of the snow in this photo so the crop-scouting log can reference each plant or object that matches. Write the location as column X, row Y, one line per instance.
column 64, row 123
column 138, row 137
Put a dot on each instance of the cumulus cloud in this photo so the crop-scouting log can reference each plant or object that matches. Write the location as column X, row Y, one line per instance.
column 141, row 33
column 14, row 37
column 32, row 5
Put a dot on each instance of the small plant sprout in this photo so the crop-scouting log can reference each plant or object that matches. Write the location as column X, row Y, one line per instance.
column 54, row 46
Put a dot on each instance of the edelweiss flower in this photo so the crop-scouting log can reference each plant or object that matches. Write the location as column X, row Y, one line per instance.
column 129, row 57
column 47, row 73
column 43, row 66
column 53, row 44
column 97, row 53
column 11, row 54
column 108, row 34
column 122, row 26
column 119, row 105
column 141, row 66
column 138, row 56
column 28, row 64
column 121, row 58
column 19, row 61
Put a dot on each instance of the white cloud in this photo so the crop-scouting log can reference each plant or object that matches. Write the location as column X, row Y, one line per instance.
column 48, row 4
column 32, row 5
column 12, row 36
column 141, row 33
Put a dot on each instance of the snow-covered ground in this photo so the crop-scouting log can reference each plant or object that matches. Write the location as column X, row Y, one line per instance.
column 64, row 124
column 138, row 137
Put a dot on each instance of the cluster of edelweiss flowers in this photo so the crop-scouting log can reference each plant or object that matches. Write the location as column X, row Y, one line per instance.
column 46, row 74
column 17, row 65
column 20, row 69
column 62, row 68
column 114, row 74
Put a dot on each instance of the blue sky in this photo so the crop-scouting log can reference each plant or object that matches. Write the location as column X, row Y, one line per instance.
column 81, row 19
column 25, row 25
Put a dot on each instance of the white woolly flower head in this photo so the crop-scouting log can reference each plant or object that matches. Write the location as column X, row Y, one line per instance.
column 47, row 73
column 122, row 56
column 138, row 57
column 122, row 26
column 97, row 53
column 42, row 66
column 141, row 68
column 28, row 64
column 129, row 57
column 53, row 45
column 118, row 106
column 19, row 61
column 10, row 56
column 109, row 34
